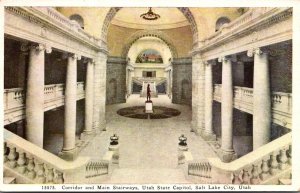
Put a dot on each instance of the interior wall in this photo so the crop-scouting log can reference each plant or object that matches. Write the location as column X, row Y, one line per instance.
column 15, row 64
column 182, row 81
column 280, row 63
column 115, row 80
column 55, row 68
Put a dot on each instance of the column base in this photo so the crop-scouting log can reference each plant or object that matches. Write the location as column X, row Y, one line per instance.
column 69, row 155
column 226, row 156
column 208, row 136
column 87, row 134
column 102, row 126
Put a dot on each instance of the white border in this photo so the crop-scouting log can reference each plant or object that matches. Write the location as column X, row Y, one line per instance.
column 172, row 3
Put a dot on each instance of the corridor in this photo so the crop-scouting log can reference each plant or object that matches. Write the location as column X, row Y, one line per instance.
column 148, row 148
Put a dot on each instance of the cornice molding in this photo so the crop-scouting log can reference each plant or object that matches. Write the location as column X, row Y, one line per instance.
column 50, row 20
column 125, row 24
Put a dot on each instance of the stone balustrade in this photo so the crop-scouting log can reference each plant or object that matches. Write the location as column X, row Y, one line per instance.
column 265, row 165
column 201, row 170
column 29, row 163
column 14, row 100
column 157, row 80
column 243, row 100
column 80, row 90
column 96, row 168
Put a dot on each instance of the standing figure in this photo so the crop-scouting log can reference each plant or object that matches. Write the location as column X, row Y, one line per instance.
column 148, row 93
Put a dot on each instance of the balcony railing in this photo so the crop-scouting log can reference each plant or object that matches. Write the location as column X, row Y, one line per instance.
column 243, row 100
column 14, row 100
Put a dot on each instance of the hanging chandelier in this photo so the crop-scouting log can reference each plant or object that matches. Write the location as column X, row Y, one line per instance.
column 150, row 15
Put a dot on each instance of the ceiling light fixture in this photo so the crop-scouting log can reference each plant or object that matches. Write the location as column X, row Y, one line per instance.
column 150, row 15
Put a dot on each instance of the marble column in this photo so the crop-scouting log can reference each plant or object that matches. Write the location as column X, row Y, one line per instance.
column 261, row 99
column 89, row 98
column 35, row 94
column 208, row 133
column 99, row 121
column 69, row 151
column 198, row 75
column 226, row 152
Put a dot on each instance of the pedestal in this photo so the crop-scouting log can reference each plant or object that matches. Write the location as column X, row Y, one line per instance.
column 148, row 107
column 181, row 157
column 115, row 149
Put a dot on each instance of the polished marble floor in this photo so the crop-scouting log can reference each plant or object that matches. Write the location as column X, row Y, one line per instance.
column 148, row 148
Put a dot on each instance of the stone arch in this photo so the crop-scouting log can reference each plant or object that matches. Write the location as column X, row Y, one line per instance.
column 149, row 33
column 78, row 19
column 220, row 22
column 113, row 11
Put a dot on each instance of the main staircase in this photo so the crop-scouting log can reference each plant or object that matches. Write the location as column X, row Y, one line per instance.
column 25, row 163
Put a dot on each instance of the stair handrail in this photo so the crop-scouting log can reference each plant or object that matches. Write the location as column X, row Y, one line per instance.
column 36, row 161
column 255, row 162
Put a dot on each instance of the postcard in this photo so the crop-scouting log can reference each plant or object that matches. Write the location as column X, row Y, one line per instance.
column 150, row 96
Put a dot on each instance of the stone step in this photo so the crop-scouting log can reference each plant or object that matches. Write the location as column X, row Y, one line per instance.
column 9, row 180
column 147, row 175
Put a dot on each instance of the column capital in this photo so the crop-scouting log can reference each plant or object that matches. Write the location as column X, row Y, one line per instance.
column 75, row 56
column 210, row 62
column 88, row 60
column 232, row 58
column 223, row 59
column 25, row 46
column 257, row 51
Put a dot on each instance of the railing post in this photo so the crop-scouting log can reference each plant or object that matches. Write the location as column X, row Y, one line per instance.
column 30, row 167
column 246, row 176
column 40, row 171
column 273, row 163
column 265, row 170
column 50, row 176
column 12, row 156
column 21, row 163
column 283, row 160
column 255, row 174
